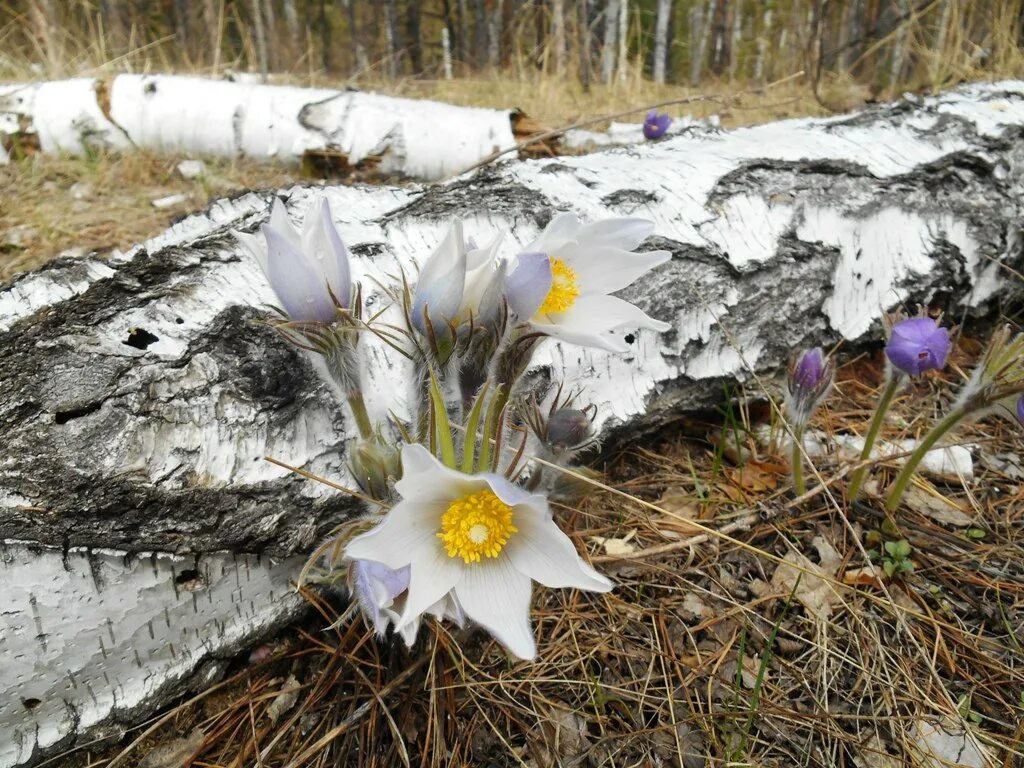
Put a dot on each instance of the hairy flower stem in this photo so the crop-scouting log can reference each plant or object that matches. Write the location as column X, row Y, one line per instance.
column 362, row 416
column 876, row 425
column 797, row 463
column 903, row 478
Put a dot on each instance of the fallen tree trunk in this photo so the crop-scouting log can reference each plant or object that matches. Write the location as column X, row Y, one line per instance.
column 147, row 536
column 350, row 132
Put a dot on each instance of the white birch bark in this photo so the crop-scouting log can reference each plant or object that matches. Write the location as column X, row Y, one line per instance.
column 783, row 236
column 661, row 39
column 611, row 22
column 623, row 40
column 406, row 137
column 558, row 35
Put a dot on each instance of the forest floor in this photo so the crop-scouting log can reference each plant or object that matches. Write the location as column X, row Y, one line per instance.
column 776, row 640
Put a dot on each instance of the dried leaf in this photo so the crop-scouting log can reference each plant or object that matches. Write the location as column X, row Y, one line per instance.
column 814, row 593
column 938, row 508
column 867, row 576
column 285, row 699
column 617, row 547
column 174, row 754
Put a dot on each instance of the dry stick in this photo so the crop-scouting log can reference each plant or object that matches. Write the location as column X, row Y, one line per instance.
column 538, row 137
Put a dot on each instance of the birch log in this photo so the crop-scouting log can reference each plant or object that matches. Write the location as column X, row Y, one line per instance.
column 368, row 133
column 146, row 537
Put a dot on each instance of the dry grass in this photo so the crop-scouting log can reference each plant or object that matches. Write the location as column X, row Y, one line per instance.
column 708, row 652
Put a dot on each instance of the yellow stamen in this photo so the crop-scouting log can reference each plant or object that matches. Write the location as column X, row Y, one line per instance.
column 564, row 292
column 476, row 526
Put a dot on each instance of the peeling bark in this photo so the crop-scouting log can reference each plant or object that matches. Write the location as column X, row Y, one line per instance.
column 143, row 393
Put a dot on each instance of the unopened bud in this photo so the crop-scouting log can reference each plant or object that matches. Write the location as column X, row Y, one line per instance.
column 374, row 466
column 568, row 428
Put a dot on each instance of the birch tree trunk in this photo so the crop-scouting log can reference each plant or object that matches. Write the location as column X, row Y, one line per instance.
column 260, row 37
column 358, row 133
column 145, row 539
column 495, row 33
column 558, row 36
column 661, row 40
column 611, row 23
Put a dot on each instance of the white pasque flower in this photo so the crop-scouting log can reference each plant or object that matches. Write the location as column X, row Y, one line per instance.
column 304, row 269
column 477, row 539
column 563, row 279
column 458, row 281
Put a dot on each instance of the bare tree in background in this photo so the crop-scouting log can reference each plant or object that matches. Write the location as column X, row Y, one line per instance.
column 391, row 37
column 495, row 32
column 413, row 11
column 623, row 39
column 585, row 35
column 611, row 24
column 260, row 37
column 661, row 40
column 479, row 34
column 558, row 35
column 273, row 41
column 291, row 21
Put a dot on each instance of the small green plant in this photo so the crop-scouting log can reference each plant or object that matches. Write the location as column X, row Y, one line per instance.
column 896, row 560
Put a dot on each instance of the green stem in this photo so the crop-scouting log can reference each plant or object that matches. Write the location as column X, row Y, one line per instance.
column 797, row 464
column 362, row 416
column 933, row 436
column 876, row 425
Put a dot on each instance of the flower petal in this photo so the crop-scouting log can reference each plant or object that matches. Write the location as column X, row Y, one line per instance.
column 441, row 282
column 543, row 552
column 528, row 286
column 497, row 597
column 560, row 230
column 426, row 480
column 326, row 251
column 432, row 576
column 606, row 269
column 300, row 287
column 624, row 233
column 283, row 225
column 408, row 528
column 255, row 245
column 589, row 321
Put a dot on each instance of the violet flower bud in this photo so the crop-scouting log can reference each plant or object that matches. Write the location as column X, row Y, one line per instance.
column 655, row 124
column 1020, row 409
column 809, row 380
column 918, row 344
column 568, row 428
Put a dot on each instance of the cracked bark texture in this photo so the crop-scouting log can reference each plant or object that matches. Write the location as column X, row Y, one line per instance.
column 146, row 537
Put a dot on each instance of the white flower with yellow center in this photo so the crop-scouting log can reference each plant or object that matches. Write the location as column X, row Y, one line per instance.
column 563, row 279
column 477, row 539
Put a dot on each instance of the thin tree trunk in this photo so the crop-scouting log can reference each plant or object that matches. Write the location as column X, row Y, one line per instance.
column 260, row 36
column 391, row 37
column 700, row 31
column 479, row 34
column 116, row 37
column 940, row 43
column 181, row 26
column 360, row 61
column 291, row 21
column 737, row 34
column 45, row 21
column 661, row 40
column 900, row 37
column 494, row 34
column 611, row 23
column 583, row 24
column 325, row 37
column 623, row 39
column 412, row 29
column 558, row 36
column 763, row 47
column 446, row 53
column 462, row 31
column 211, row 21
column 273, row 42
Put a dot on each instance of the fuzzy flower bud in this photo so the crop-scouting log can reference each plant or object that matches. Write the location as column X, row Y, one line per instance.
column 568, row 428
column 374, row 466
column 656, row 124
column 809, row 380
column 917, row 345
column 1020, row 409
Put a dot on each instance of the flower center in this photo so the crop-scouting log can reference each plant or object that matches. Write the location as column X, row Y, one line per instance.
column 564, row 292
column 476, row 526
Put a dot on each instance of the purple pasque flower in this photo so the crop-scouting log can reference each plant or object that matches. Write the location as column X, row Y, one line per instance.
column 808, row 381
column 375, row 588
column 918, row 344
column 309, row 271
column 655, row 124
column 1020, row 409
